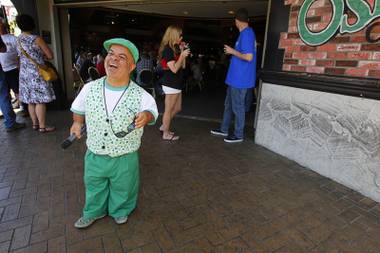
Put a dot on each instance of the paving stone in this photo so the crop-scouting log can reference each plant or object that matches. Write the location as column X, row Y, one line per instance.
column 58, row 245
column 51, row 232
column 4, row 192
column 214, row 237
column 150, row 248
column 40, row 221
column 4, row 226
column 10, row 201
column 368, row 222
column 21, row 237
column 254, row 244
column 101, row 227
column 137, row 240
column 376, row 210
column 163, row 239
column 291, row 248
column 5, row 184
column 112, row 244
column 35, row 248
column 285, row 237
column 6, row 236
column 208, row 197
column 349, row 215
column 4, row 246
column 355, row 196
column 188, row 248
column 73, row 235
column 234, row 245
column 367, row 203
column 10, row 212
column 19, row 184
column 325, row 230
column 89, row 245
column 204, row 245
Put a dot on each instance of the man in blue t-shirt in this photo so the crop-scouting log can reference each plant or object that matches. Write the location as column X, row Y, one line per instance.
column 241, row 77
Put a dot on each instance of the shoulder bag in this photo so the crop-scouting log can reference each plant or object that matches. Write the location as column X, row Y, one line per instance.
column 47, row 73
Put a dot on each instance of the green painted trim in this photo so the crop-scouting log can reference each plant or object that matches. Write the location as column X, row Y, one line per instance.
column 118, row 88
column 77, row 112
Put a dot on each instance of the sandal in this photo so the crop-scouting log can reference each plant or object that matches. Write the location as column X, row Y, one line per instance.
column 162, row 130
column 172, row 137
column 46, row 129
column 36, row 127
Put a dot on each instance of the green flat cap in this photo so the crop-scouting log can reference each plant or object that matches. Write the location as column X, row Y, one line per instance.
column 125, row 43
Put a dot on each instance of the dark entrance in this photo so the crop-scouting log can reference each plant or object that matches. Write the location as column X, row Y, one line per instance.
column 91, row 26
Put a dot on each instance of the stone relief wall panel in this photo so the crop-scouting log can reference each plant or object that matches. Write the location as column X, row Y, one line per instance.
column 337, row 136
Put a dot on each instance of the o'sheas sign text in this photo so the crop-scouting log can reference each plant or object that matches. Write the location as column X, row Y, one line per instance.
column 364, row 13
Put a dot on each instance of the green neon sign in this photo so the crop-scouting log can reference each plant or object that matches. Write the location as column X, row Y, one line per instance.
column 339, row 20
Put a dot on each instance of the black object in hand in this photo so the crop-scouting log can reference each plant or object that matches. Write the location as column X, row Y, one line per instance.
column 68, row 141
column 130, row 128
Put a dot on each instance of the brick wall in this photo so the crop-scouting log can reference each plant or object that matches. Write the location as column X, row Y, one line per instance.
column 348, row 54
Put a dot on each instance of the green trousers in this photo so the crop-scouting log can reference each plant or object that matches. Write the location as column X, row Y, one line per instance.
column 112, row 184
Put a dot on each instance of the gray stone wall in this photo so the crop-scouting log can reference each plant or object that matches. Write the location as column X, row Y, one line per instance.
column 334, row 135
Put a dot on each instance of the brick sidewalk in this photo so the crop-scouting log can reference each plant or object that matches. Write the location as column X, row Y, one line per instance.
column 197, row 195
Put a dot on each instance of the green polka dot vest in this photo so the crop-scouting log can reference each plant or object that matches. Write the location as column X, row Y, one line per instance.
column 101, row 130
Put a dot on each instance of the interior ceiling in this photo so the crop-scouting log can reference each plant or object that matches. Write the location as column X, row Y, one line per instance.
column 215, row 9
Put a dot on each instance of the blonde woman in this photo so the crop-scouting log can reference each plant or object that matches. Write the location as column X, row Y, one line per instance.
column 172, row 55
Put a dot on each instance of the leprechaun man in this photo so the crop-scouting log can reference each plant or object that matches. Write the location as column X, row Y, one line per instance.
column 115, row 110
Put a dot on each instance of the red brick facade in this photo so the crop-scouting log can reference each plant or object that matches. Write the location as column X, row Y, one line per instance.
column 348, row 54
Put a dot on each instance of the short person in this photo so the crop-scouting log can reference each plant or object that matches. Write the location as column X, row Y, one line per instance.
column 115, row 110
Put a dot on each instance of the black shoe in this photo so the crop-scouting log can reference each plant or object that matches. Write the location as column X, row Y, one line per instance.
column 16, row 126
column 233, row 139
column 218, row 132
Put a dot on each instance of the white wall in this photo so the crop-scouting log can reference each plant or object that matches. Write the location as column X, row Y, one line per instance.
column 56, row 21
column 46, row 23
column 336, row 136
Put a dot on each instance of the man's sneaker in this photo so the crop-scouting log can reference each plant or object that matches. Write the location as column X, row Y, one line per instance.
column 121, row 220
column 233, row 139
column 16, row 126
column 84, row 223
column 218, row 132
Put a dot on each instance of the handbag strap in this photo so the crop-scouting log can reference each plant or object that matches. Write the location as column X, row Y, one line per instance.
column 27, row 55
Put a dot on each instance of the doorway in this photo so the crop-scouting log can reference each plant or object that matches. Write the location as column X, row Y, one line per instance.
column 206, row 28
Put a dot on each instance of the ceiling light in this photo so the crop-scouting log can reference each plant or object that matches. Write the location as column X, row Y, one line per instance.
column 231, row 12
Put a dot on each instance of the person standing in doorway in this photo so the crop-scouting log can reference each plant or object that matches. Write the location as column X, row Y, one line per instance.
column 100, row 65
column 83, row 71
column 240, row 78
column 172, row 56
